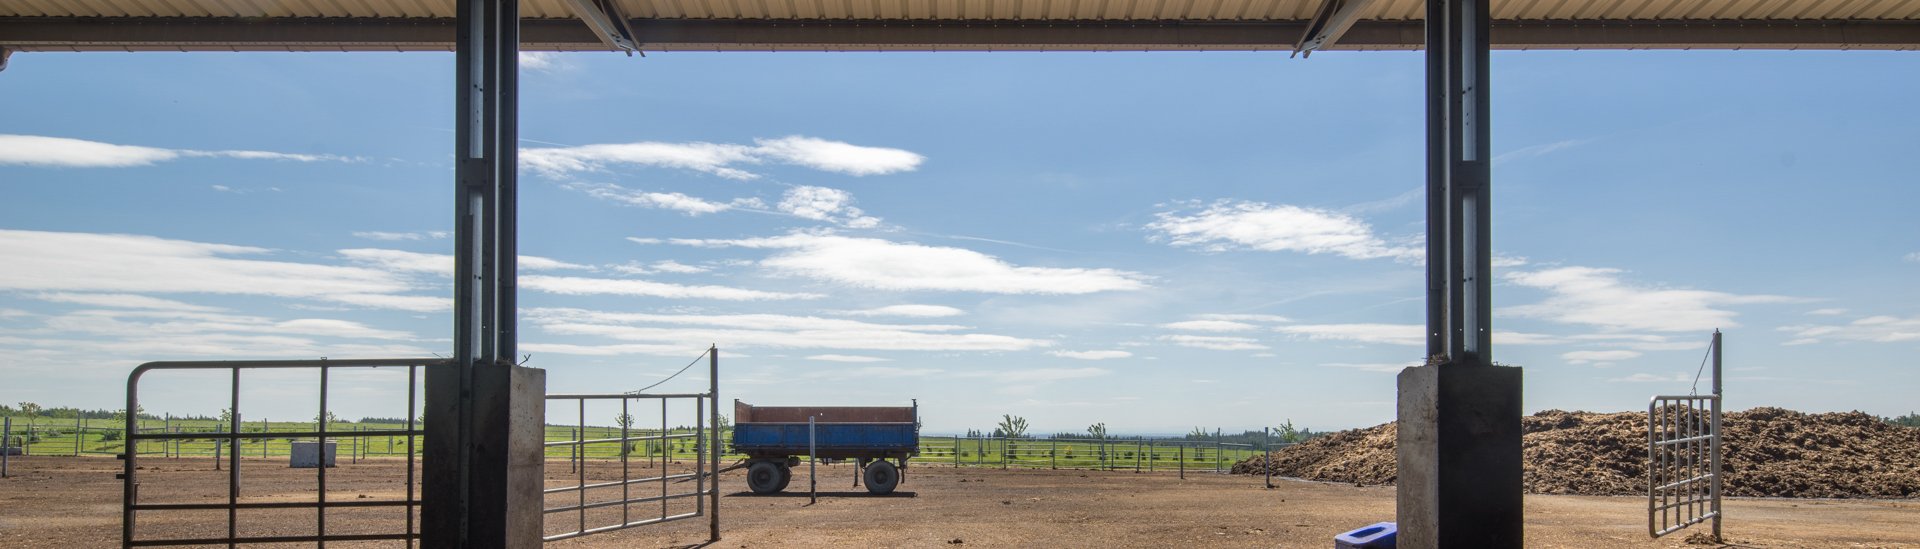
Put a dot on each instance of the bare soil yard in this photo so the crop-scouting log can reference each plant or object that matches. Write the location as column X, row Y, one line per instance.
column 73, row 503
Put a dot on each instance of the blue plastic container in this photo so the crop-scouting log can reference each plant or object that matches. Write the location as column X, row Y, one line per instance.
column 1377, row 536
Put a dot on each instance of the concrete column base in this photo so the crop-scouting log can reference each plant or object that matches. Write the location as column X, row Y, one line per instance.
column 1459, row 482
column 502, row 467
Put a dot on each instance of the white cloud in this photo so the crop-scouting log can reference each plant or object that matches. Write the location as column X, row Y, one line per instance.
column 847, row 358
column 1532, row 151
column 917, row 311
column 722, row 159
column 1873, row 329
column 155, row 323
column 824, row 204
column 1236, row 317
column 1653, row 378
column 387, row 236
column 401, row 261
column 1390, row 334
column 838, row 157
column 415, row 303
column 1597, row 297
column 1382, row 367
column 671, row 266
column 573, row 285
column 122, row 301
column 1599, row 357
column 1209, row 326
column 1913, row 257
column 1091, row 355
column 872, row 372
column 768, row 330
column 1828, row 312
column 661, row 200
column 540, row 61
column 1037, row 375
column 1278, row 227
column 661, row 349
column 1217, row 343
column 36, row 150
column 537, row 263
column 118, row 263
column 887, row 265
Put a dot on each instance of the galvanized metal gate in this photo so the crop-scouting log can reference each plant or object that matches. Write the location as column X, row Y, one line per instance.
column 235, row 436
column 1684, row 470
column 625, row 501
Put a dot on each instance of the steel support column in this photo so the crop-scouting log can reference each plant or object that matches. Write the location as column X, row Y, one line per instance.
column 474, row 403
column 1459, row 439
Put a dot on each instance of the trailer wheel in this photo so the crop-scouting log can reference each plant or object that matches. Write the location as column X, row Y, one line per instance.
column 764, row 477
column 881, row 477
column 786, row 477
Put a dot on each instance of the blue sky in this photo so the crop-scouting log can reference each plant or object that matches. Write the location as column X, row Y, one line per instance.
column 1154, row 241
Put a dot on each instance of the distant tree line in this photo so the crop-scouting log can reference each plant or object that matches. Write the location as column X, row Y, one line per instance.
column 1912, row 419
column 1012, row 426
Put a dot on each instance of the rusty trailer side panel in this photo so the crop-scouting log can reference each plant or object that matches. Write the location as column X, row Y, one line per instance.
column 747, row 413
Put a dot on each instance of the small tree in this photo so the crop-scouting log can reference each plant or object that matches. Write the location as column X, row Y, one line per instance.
column 1198, row 433
column 30, row 409
column 1097, row 430
column 1012, row 426
column 1288, row 433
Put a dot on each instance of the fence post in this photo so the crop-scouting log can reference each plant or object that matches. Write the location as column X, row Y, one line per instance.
column 956, row 452
column 1266, row 458
column 1006, row 447
column 1136, row 455
column 79, row 431
column 219, row 443
column 1183, row 462
column 6, row 446
column 1053, row 454
column 813, row 457
column 1216, row 456
column 1153, row 453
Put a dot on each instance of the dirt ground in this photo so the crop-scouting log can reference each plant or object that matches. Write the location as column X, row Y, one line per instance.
column 75, row 502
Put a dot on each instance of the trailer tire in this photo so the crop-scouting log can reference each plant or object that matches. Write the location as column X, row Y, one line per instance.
column 786, row 477
column 881, row 477
column 765, row 477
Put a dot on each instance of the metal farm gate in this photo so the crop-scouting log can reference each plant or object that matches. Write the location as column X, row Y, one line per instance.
column 601, row 496
column 604, row 498
column 1684, row 468
column 236, row 435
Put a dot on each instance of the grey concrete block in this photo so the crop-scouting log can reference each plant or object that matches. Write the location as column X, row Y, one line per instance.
column 307, row 454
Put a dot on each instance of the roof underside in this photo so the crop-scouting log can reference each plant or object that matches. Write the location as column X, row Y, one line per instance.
column 832, row 25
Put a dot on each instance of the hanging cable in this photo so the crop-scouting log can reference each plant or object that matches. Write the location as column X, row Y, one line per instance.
column 1703, row 368
column 683, row 369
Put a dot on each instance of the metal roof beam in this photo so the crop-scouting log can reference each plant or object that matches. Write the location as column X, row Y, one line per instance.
column 608, row 21
column 425, row 34
column 1333, row 20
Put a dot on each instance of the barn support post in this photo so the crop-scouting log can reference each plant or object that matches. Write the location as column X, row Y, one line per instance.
column 1459, row 439
column 483, row 455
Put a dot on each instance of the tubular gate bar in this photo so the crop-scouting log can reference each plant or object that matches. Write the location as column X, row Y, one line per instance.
column 130, row 504
column 1684, row 470
column 705, row 475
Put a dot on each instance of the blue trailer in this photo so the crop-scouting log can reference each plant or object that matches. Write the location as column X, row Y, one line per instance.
column 879, row 439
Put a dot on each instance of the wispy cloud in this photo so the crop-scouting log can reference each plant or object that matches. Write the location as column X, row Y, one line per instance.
column 1872, row 329
column 1390, row 334
column 63, row 152
column 1241, row 317
column 122, row 301
column 1091, row 355
column 1599, row 357
column 910, row 310
column 1653, row 378
column 1209, row 326
column 574, row 285
column 1913, row 257
column 768, row 330
column 1542, row 149
column 847, row 358
column 120, row 263
column 679, row 202
column 1381, row 367
column 722, row 159
column 387, row 236
column 1598, row 297
column 1216, row 343
column 901, row 266
column 1224, row 226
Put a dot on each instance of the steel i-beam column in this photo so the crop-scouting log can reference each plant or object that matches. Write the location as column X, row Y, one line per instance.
column 481, row 472
column 1459, row 436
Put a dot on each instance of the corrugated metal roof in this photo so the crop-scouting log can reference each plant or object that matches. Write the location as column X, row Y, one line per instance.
column 1018, row 10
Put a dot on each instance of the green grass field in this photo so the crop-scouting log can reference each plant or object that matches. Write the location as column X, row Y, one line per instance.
column 103, row 437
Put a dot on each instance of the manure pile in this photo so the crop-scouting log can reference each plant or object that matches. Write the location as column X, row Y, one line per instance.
column 1770, row 452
